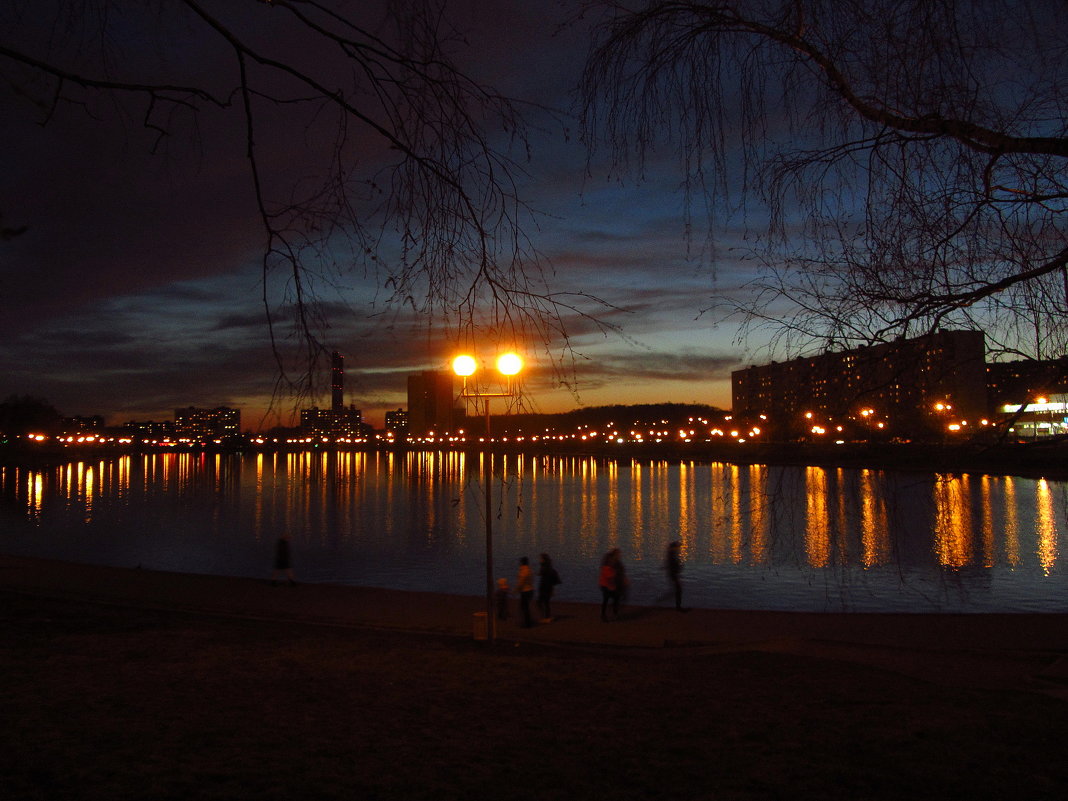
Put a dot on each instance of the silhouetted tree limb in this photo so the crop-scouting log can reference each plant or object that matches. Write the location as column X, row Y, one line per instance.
column 911, row 158
column 413, row 179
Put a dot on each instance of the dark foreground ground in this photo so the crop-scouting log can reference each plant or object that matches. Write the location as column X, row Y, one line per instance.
column 108, row 700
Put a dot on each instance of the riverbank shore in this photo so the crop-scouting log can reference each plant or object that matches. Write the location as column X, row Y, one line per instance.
column 132, row 684
column 1038, row 459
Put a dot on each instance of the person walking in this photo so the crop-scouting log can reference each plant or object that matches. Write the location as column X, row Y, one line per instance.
column 282, row 561
column 524, row 585
column 673, row 565
column 622, row 582
column 548, row 578
column 607, row 582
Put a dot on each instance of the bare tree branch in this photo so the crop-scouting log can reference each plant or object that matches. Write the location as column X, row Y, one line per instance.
column 911, row 157
column 413, row 178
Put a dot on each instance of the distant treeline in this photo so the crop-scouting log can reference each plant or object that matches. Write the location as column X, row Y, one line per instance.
column 619, row 415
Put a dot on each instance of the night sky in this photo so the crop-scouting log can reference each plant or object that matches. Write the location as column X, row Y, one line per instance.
column 137, row 286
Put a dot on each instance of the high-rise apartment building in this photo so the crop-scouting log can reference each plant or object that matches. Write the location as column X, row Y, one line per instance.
column 201, row 424
column 907, row 385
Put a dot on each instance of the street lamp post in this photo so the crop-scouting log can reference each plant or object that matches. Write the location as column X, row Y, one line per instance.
column 508, row 365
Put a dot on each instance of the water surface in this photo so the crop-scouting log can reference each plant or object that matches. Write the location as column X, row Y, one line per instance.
column 753, row 537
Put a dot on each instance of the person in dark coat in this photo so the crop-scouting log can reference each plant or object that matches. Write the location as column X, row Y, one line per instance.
column 282, row 562
column 673, row 565
column 548, row 578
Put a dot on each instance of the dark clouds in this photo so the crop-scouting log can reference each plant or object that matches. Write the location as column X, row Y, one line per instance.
column 137, row 287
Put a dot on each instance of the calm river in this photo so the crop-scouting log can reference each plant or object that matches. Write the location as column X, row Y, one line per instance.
column 753, row 537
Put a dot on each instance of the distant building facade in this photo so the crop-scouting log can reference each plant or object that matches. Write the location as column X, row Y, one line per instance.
column 331, row 423
column 200, row 424
column 905, row 387
column 148, row 429
column 93, row 424
column 432, row 402
column 397, row 421
column 1032, row 396
column 1026, row 380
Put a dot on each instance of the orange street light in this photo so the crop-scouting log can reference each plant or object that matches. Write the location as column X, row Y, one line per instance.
column 464, row 366
column 509, row 365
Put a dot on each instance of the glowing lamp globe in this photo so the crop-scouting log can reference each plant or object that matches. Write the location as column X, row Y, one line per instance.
column 509, row 364
column 464, row 366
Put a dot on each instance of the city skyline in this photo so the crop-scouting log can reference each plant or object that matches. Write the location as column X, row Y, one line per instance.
column 136, row 285
column 938, row 385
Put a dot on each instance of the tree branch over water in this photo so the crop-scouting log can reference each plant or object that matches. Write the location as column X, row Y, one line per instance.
column 898, row 166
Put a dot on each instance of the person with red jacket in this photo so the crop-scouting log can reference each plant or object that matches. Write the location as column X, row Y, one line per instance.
column 610, row 582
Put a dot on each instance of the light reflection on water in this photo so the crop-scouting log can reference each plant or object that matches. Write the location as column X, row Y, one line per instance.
column 759, row 537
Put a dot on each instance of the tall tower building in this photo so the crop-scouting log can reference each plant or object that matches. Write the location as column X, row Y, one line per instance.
column 337, row 382
column 336, row 422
